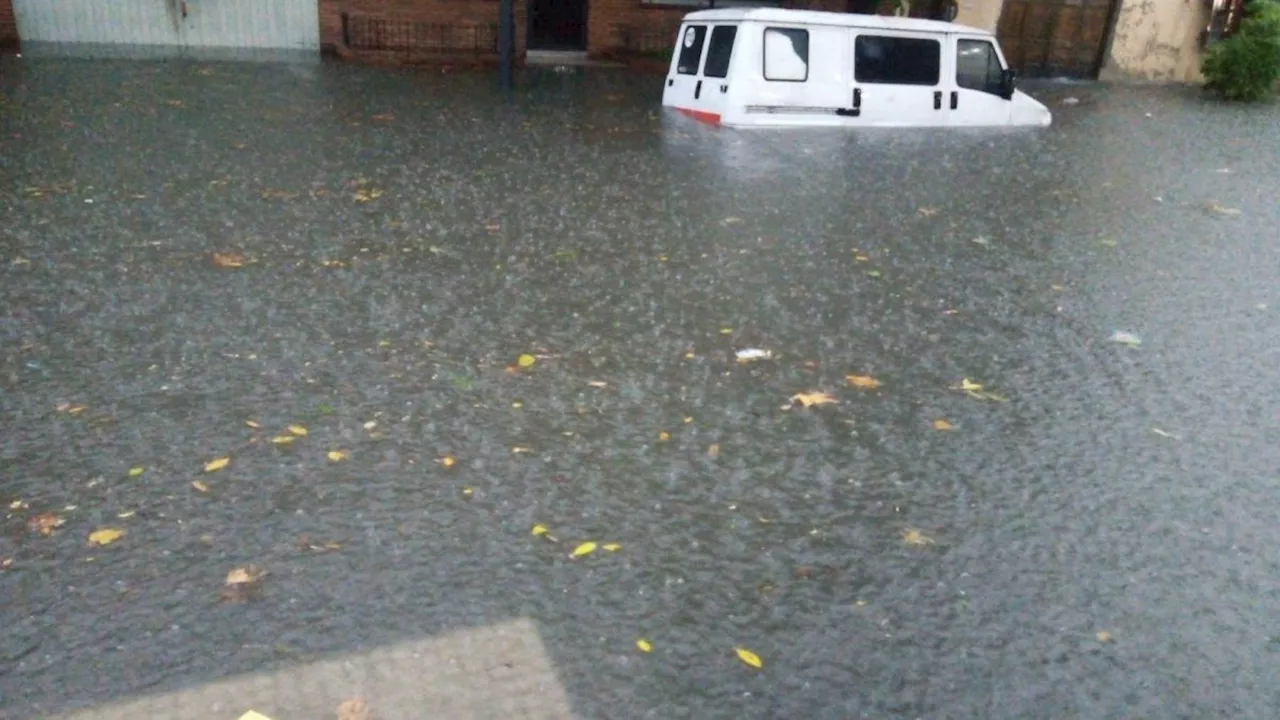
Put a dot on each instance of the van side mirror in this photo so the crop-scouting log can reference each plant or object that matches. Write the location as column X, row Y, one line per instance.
column 1007, row 84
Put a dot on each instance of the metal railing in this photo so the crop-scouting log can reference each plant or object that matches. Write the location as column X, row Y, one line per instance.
column 389, row 34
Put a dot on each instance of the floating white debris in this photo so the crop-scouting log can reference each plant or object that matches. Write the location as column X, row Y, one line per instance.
column 747, row 355
column 1125, row 338
column 1071, row 101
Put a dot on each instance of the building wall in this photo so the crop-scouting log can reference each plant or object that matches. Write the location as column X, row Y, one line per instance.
column 447, row 12
column 608, row 20
column 983, row 14
column 8, row 26
column 1156, row 41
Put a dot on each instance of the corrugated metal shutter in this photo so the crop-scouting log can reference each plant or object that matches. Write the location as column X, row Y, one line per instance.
column 97, row 27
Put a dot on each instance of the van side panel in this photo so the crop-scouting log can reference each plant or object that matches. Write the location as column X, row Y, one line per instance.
column 789, row 74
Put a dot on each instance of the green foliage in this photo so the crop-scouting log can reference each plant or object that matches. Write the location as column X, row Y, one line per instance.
column 1246, row 66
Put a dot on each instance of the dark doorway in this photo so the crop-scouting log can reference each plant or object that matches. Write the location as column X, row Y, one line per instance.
column 558, row 24
column 864, row 7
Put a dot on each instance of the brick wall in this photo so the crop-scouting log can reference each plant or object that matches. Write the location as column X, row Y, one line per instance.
column 8, row 26
column 462, row 13
column 609, row 22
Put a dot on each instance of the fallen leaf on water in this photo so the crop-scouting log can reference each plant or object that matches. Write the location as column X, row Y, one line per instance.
column 585, row 548
column 283, row 439
column 912, row 536
column 1125, row 338
column 974, row 390
column 246, row 575
column 298, row 430
column 941, row 424
column 713, row 451
column 612, row 547
column 199, row 486
column 45, row 523
column 809, row 399
column 228, row 260
column 216, row 465
column 77, row 409
column 365, row 195
column 726, row 331
column 521, row 449
column 468, row 492
column 526, row 360
column 354, row 709
column 747, row 355
column 338, row 455
column 865, row 382
column 1163, row 433
column 18, row 504
column 539, row 529
column 253, row 715
column 1103, row 636
column 1214, row 207
column 597, row 383
column 384, row 116
column 447, row 461
column 664, row 436
column 105, row 536
column 252, row 424
column 371, row 425
column 644, row 645
column 749, row 657
column 927, row 211
column 5, row 563
column 136, row 471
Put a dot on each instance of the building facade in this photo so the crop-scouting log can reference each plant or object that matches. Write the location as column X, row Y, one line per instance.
column 1128, row 40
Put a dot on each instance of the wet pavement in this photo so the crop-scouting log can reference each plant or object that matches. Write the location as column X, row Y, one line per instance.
column 1103, row 543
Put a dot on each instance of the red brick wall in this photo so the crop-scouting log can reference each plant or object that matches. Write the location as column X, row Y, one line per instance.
column 452, row 12
column 8, row 26
column 606, row 19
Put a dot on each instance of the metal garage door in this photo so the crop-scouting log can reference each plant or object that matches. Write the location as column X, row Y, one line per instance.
column 207, row 28
column 1055, row 38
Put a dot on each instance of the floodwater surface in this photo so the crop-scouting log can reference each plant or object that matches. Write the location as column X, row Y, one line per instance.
column 1091, row 534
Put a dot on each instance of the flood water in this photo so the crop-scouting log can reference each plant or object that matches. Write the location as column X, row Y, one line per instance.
column 1098, row 541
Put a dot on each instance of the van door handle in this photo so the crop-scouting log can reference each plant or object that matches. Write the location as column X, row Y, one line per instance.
column 937, row 100
column 724, row 88
column 955, row 99
column 697, row 90
column 857, row 98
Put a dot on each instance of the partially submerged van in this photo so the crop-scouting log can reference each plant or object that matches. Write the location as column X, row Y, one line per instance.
column 774, row 67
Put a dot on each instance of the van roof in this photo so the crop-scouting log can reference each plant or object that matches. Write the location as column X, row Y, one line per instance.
column 817, row 17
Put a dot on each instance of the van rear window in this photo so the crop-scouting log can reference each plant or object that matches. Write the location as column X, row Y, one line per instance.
column 897, row 60
column 786, row 54
column 719, row 50
column 691, row 49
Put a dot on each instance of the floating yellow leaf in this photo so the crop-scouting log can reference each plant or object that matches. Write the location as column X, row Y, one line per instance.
column 664, row 436
column 253, row 715
column 216, row 465
column 298, row 430
column 539, row 529
column 228, row 259
column 199, row 486
column 135, row 472
column 338, row 455
column 371, row 425
column 612, row 547
column 1103, row 636
column 809, row 399
column 354, row 709
column 252, row 424
column 585, row 548
column 597, row 383
column 912, row 536
column 644, row 645
column 246, row 575
column 468, row 492
column 865, row 382
column 941, row 424
column 749, row 657
column 726, row 331
column 447, row 461
column 283, row 439
column 105, row 536
column 713, row 451
column 970, row 386
column 526, row 360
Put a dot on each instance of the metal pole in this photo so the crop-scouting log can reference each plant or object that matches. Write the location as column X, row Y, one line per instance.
column 506, row 42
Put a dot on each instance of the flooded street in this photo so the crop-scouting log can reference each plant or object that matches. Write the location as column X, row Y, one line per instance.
column 1092, row 533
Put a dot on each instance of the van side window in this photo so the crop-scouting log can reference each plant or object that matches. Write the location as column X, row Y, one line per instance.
column 896, row 60
column 691, row 49
column 786, row 54
column 719, row 50
column 978, row 66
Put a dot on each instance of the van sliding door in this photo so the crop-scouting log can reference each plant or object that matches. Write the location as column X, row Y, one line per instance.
column 898, row 78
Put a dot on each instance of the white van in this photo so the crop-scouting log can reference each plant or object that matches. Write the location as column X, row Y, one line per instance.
column 774, row 67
